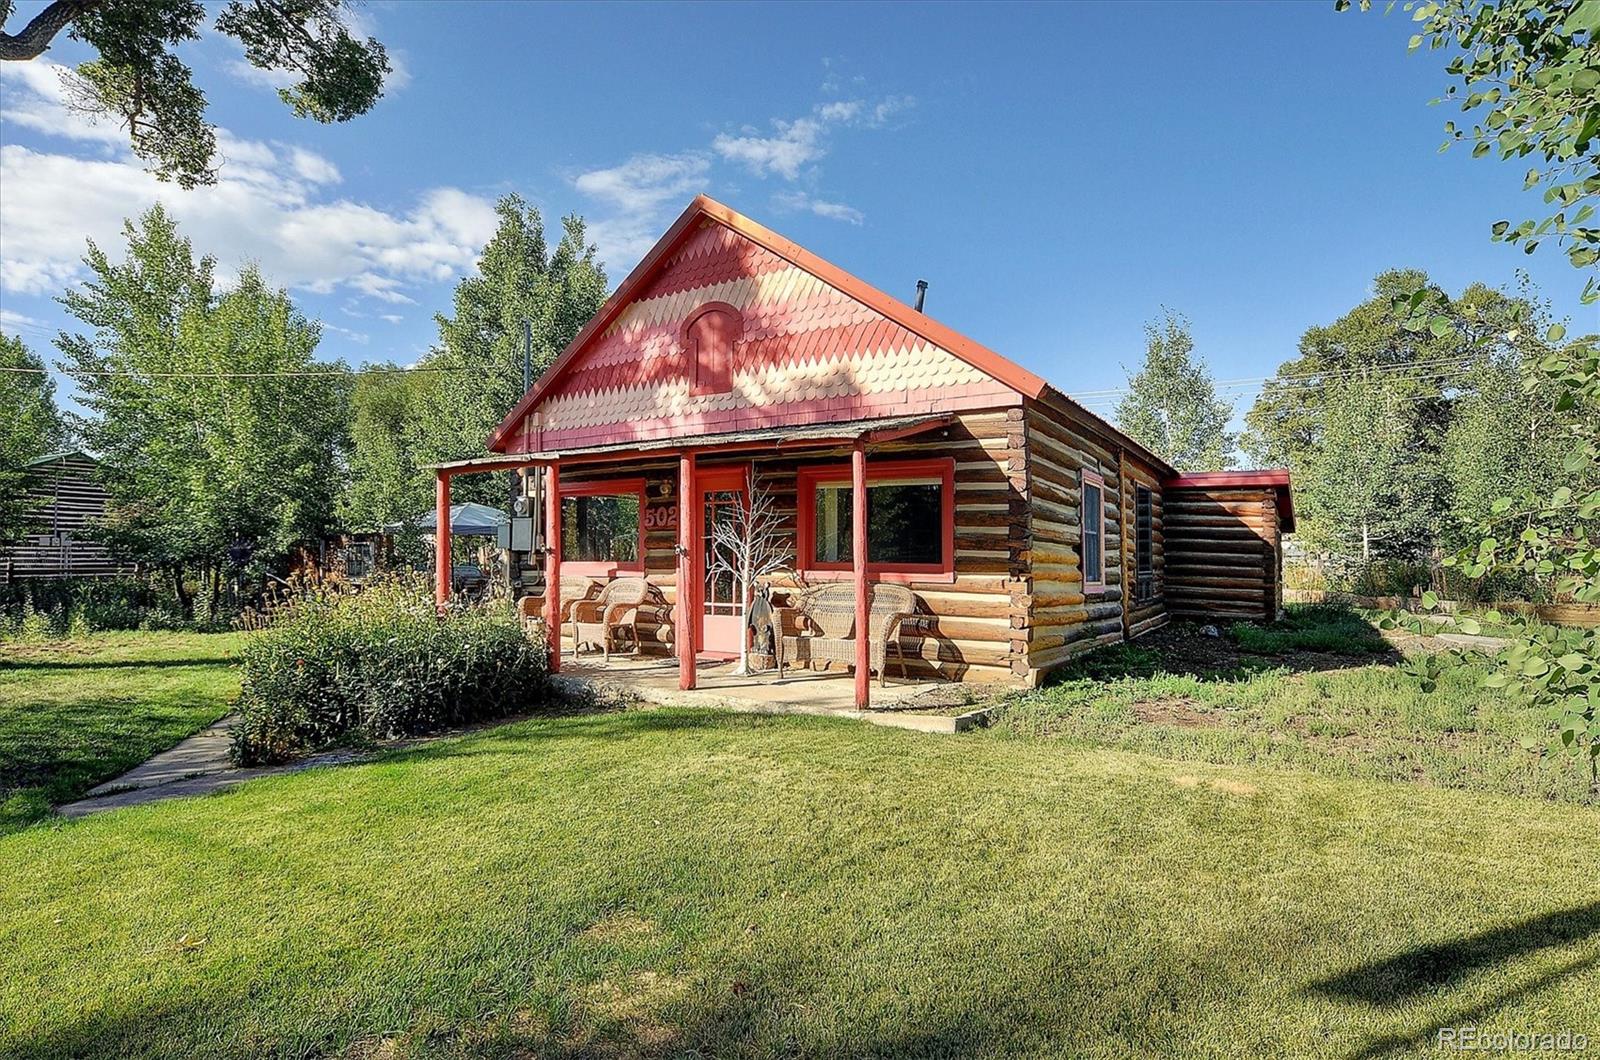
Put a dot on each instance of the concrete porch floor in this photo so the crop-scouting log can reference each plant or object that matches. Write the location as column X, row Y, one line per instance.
column 924, row 706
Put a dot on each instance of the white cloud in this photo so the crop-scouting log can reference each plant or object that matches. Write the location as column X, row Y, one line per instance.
column 16, row 323
column 358, row 337
column 643, row 191
column 54, row 202
column 834, row 211
column 796, row 143
column 644, row 182
column 392, row 318
column 840, row 110
column 639, row 191
column 274, row 79
column 313, row 167
column 267, row 207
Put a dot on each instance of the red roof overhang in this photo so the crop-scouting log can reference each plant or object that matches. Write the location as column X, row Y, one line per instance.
column 1276, row 479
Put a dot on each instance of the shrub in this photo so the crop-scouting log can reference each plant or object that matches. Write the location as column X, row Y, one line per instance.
column 75, row 606
column 379, row 665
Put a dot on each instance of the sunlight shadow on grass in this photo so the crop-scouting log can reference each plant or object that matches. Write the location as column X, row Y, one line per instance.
column 1399, row 978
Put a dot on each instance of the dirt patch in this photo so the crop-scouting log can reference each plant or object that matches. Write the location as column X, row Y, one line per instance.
column 619, row 927
column 373, row 1049
column 1177, row 711
column 624, row 1016
column 1185, row 650
column 1222, row 784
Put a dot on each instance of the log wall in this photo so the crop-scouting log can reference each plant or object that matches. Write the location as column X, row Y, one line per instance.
column 1224, row 553
column 1063, row 619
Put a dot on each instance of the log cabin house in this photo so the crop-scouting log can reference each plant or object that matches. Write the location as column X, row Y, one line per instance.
column 732, row 360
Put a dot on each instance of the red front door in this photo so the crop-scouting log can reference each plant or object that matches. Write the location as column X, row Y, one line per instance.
column 719, row 615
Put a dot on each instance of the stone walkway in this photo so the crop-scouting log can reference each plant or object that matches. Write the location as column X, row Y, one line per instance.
column 196, row 766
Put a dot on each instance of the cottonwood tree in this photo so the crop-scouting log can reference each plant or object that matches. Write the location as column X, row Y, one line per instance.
column 749, row 542
column 139, row 81
column 383, row 487
column 1172, row 406
column 222, row 435
column 30, row 427
column 478, row 359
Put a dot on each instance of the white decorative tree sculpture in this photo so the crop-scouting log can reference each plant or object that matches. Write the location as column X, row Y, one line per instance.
column 749, row 543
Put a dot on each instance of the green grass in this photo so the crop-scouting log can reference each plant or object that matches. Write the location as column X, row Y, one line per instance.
column 74, row 713
column 697, row 883
column 1312, row 627
column 1274, row 701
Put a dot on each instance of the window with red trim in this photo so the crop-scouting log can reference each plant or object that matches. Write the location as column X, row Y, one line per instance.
column 602, row 529
column 910, row 518
column 1093, row 512
column 708, row 340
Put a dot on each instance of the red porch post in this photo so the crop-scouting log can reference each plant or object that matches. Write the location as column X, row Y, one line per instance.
column 552, row 565
column 688, row 538
column 441, row 540
column 858, row 556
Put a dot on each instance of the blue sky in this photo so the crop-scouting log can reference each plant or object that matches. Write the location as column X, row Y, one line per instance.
column 1058, row 173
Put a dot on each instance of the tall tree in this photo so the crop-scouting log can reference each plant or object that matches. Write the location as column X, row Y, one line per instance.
column 1358, row 492
column 223, row 435
column 384, row 487
column 140, row 82
column 30, row 427
column 480, row 344
column 1172, row 405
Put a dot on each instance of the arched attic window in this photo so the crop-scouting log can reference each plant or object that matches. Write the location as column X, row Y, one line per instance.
column 708, row 339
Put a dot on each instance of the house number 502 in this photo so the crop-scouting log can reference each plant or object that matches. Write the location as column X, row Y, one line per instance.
column 664, row 518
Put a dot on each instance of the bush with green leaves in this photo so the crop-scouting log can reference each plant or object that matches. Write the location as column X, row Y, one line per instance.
column 380, row 665
column 77, row 606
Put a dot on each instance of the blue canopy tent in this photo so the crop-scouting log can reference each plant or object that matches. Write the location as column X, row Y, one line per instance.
column 466, row 520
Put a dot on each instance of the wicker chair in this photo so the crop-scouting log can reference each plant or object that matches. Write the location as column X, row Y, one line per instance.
column 616, row 611
column 824, row 618
column 573, row 590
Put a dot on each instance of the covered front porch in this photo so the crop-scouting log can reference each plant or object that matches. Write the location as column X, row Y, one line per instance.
column 672, row 491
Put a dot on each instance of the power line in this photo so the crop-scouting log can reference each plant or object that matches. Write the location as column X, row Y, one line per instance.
column 291, row 374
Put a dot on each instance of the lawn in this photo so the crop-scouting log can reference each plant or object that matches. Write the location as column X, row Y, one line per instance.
column 696, row 883
column 74, row 713
column 1317, row 692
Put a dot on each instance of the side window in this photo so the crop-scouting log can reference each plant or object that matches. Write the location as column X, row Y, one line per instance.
column 1144, row 544
column 708, row 341
column 1093, row 517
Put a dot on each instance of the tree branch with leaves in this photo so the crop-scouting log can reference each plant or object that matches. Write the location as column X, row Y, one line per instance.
column 140, row 82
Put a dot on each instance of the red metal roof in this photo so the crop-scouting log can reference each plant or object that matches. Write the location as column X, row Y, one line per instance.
column 1277, row 478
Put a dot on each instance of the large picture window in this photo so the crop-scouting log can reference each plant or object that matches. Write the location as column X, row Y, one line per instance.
column 910, row 518
column 1094, row 532
column 601, row 531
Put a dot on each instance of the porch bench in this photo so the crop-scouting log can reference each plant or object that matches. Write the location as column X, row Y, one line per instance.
column 824, row 618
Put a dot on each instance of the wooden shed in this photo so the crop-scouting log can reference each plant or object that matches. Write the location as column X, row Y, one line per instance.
column 733, row 360
column 71, row 499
